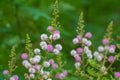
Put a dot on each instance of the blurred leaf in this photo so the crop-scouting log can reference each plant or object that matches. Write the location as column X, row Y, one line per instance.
column 36, row 13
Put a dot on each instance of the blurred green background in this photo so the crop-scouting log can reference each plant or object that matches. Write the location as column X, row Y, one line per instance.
column 18, row 17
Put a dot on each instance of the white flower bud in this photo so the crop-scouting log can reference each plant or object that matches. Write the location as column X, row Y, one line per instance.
column 12, row 78
column 58, row 46
column 32, row 70
column 36, row 51
column 75, row 41
column 77, row 64
column 111, row 50
column 24, row 62
column 46, row 64
column 32, row 76
column 27, row 65
column 49, row 79
column 88, row 43
column 95, row 53
column 50, row 37
column 56, row 36
column 44, row 36
column 38, row 57
column 84, row 40
column 43, row 43
column 73, row 52
column 101, row 49
column 89, row 55
column 86, row 49
column 56, row 51
column 103, row 69
column 99, row 57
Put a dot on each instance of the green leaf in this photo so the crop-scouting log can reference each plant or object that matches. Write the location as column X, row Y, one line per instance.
column 93, row 63
column 92, row 72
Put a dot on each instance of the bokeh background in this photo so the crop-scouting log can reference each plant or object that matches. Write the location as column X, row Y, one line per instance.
column 19, row 17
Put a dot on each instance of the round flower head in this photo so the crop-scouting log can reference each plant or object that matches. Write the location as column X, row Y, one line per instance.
column 32, row 70
column 56, row 51
column 54, row 66
column 36, row 51
column 57, row 75
column 65, row 72
column 5, row 72
column 75, row 41
column 79, row 37
column 24, row 56
column 101, row 49
column 12, row 78
column 79, row 50
column 117, row 74
column 111, row 59
column 49, row 47
column 77, row 64
column 44, row 37
column 46, row 64
column 73, row 53
column 49, row 79
column 105, row 41
column 32, row 76
column 88, row 35
column 112, row 46
column 51, row 61
column 58, row 46
column 56, row 32
column 50, row 28
column 77, row 58
column 15, row 77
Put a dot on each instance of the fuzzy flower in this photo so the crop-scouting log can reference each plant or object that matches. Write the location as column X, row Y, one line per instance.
column 32, row 70
column 5, row 72
column 77, row 64
column 49, row 47
column 55, row 36
column 73, row 53
column 88, row 35
column 51, row 61
column 58, row 46
column 56, row 32
column 77, row 58
column 50, row 28
column 36, row 51
column 56, row 51
column 105, row 41
column 65, row 72
column 54, row 66
column 24, row 56
column 46, row 64
column 111, row 59
column 15, row 77
column 117, row 74
column 44, row 37
column 57, row 75
column 75, row 41
column 79, row 50
column 101, row 49
column 79, row 37
column 32, row 76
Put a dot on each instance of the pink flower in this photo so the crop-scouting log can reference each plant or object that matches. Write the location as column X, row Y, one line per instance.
column 65, row 72
column 50, row 28
column 79, row 37
column 54, row 66
column 79, row 50
column 5, row 72
column 51, row 61
column 57, row 75
column 24, row 56
column 56, row 32
column 35, row 66
column 105, row 41
column 88, row 35
column 111, row 59
column 77, row 58
column 15, row 77
column 117, row 74
column 112, row 46
column 49, row 47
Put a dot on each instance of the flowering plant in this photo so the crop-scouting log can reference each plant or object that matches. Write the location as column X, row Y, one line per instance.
column 46, row 63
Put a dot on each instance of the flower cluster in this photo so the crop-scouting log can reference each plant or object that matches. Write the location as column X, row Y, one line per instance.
column 61, row 75
column 84, row 48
